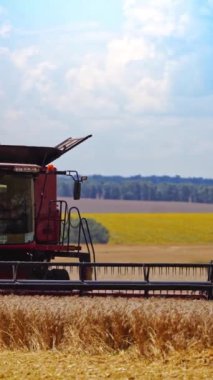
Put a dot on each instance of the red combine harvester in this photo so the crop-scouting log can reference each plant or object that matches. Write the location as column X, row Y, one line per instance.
column 36, row 230
column 34, row 225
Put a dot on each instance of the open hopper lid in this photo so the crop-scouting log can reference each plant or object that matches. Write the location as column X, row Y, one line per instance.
column 37, row 155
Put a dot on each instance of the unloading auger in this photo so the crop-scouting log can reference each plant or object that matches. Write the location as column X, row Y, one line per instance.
column 36, row 234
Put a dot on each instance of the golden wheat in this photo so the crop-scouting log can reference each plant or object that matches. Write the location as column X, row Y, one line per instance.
column 95, row 338
column 153, row 327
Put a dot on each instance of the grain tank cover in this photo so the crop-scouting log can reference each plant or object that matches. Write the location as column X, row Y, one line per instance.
column 37, row 155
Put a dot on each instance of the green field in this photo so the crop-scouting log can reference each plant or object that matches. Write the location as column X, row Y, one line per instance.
column 167, row 228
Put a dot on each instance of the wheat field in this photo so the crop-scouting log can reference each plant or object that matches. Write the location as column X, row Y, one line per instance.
column 98, row 338
column 115, row 338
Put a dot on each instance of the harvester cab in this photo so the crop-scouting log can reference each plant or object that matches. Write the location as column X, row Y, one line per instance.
column 34, row 225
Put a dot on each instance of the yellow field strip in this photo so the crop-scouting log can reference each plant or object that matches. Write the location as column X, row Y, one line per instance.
column 157, row 228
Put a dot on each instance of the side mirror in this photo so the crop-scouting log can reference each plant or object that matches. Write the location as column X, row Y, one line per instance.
column 77, row 190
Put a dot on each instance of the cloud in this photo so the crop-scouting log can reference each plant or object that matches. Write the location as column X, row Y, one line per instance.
column 147, row 85
column 157, row 18
column 142, row 69
column 37, row 78
column 21, row 57
column 5, row 30
column 149, row 64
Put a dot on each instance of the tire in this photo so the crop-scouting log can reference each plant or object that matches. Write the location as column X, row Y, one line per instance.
column 85, row 274
column 57, row 274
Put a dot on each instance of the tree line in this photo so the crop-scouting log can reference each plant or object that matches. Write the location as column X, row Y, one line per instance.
column 150, row 188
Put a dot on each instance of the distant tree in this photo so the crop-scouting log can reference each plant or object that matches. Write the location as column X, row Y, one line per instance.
column 98, row 232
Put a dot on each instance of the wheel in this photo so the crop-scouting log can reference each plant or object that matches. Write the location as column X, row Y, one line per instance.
column 85, row 274
column 57, row 274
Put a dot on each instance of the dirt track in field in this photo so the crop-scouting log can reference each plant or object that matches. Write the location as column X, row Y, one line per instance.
column 182, row 253
column 121, row 206
column 154, row 253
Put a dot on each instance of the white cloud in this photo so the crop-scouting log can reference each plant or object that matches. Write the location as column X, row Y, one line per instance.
column 149, row 95
column 133, row 71
column 127, row 49
column 13, row 115
column 136, row 70
column 38, row 77
column 21, row 57
column 34, row 72
column 5, row 30
column 123, row 70
column 140, row 86
column 88, row 76
column 157, row 18
column 140, row 65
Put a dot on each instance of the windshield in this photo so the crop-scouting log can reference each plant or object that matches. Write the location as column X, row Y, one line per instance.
column 16, row 209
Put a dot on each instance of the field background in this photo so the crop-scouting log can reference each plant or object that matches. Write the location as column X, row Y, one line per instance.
column 152, row 231
column 189, row 253
column 123, row 206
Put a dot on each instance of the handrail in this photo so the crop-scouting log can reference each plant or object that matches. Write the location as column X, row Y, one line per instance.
column 83, row 228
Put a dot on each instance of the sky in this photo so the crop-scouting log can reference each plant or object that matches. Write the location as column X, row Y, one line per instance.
column 136, row 74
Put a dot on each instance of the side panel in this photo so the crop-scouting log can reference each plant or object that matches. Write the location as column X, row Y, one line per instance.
column 46, row 214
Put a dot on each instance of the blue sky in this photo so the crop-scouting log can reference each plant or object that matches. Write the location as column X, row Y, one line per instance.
column 137, row 74
column 31, row 14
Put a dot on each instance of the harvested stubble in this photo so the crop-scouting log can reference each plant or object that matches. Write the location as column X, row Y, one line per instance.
column 153, row 327
column 49, row 365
